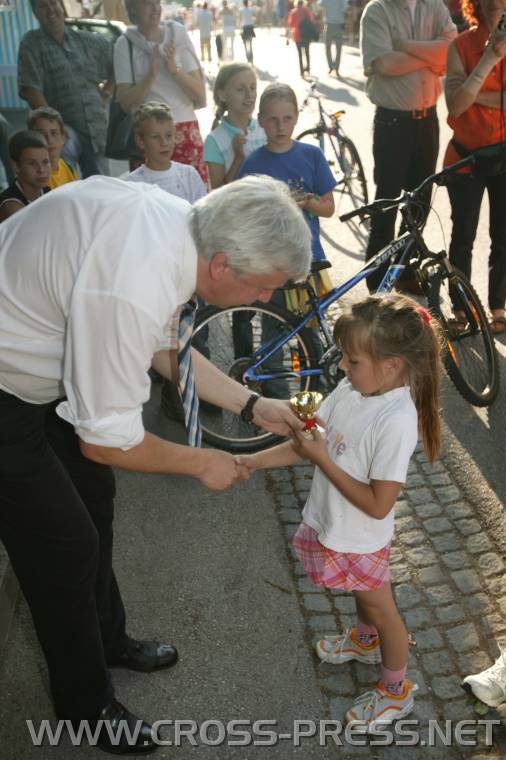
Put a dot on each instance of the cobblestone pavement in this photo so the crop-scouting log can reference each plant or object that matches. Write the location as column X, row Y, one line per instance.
column 450, row 588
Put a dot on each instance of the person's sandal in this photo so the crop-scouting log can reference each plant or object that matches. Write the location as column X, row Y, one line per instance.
column 497, row 324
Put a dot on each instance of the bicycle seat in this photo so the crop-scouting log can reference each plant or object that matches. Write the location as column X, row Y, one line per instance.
column 317, row 266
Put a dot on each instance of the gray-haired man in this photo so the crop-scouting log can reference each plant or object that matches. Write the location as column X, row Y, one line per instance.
column 93, row 280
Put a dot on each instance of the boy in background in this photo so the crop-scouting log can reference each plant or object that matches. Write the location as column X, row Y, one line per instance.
column 49, row 123
column 154, row 133
column 29, row 156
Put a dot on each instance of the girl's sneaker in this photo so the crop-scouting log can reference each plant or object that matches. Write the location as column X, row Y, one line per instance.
column 345, row 647
column 378, row 707
column 489, row 686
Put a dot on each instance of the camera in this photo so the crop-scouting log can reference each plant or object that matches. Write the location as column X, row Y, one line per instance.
column 501, row 26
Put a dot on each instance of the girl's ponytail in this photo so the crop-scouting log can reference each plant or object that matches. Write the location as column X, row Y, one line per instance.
column 218, row 115
column 426, row 381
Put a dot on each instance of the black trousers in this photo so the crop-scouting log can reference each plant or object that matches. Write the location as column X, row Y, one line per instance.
column 303, row 45
column 466, row 194
column 56, row 513
column 405, row 152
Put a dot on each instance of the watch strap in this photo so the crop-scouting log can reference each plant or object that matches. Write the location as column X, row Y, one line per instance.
column 247, row 410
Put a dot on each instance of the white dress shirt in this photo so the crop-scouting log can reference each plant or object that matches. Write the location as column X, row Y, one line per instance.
column 91, row 278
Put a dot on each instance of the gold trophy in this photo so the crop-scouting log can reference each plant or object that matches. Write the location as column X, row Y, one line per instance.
column 305, row 404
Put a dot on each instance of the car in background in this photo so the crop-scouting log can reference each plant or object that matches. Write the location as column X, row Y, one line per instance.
column 111, row 30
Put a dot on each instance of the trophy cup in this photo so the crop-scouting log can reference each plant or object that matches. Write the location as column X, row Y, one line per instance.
column 305, row 404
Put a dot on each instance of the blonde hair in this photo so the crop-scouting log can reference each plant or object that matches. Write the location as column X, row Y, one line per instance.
column 225, row 74
column 277, row 91
column 395, row 325
column 150, row 110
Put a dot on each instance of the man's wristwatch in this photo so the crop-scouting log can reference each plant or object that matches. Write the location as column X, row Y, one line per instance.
column 247, row 411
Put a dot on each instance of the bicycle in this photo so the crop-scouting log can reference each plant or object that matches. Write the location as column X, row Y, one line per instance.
column 296, row 358
column 340, row 152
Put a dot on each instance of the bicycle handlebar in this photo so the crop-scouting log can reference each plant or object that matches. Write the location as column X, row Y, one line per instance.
column 386, row 204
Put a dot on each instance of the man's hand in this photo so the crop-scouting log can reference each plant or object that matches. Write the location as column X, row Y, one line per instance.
column 220, row 470
column 276, row 416
column 247, row 463
column 314, row 448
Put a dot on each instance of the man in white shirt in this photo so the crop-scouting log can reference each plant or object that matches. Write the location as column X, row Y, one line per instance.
column 92, row 278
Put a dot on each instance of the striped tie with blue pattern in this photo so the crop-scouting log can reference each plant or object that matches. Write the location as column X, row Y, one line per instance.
column 186, row 378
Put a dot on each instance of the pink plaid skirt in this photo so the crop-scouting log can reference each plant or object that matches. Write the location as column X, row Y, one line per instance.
column 350, row 572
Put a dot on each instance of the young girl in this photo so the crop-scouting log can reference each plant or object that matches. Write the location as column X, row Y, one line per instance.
column 391, row 357
column 302, row 166
column 235, row 133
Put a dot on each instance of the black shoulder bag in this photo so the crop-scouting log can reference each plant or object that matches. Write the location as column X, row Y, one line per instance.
column 120, row 143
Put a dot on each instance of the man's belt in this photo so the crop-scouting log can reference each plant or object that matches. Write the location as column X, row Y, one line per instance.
column 416, row 114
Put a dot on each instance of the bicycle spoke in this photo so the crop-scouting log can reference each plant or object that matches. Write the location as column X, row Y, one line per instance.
column 471, row 358
column 231, row 339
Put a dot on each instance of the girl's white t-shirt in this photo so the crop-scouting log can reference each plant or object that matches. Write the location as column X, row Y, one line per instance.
column 370, row 438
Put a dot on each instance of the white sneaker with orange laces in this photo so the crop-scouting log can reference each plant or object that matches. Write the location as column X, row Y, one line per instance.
column 345, row 647
column 377, row 708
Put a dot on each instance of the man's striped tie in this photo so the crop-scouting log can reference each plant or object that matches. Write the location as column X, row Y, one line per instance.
column 186, row 378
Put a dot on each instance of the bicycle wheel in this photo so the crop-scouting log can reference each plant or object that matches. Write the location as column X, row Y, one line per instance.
column 470, row 358
column 352, row 191
column 229, row 338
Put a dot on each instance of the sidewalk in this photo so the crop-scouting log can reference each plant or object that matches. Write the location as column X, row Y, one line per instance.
column 215, row 574
column 450, row 588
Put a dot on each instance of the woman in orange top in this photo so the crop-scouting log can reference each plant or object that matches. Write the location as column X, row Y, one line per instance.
column 476, row 76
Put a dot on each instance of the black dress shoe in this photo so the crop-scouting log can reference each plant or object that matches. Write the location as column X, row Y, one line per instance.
column 145, row 656
column 112, row 735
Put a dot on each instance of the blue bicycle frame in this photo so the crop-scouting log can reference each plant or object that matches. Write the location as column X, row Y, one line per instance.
column 399, row 248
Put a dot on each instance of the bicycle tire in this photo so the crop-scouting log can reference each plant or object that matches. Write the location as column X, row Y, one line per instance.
column 346, row 159
column 215, row 328
column 354, row 175
column 471, row 357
